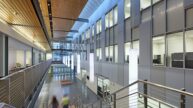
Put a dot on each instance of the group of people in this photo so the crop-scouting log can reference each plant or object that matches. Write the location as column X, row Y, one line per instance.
column 64, row 102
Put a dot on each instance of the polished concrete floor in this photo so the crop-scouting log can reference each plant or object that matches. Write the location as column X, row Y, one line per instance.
column 53, row 87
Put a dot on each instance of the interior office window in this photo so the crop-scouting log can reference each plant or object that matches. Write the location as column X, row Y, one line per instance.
column 135, row 33
column 116, row 53
column 28, row 58
column 110, row 53
column 144, row 4
column 189, row 49
column 127, row 48
column 115, row 15
column 92, row 30
column 99, row 26
column 111, row 18
column 107, row 21
column 175, row 10
column 97, row 54
column 88, row 34
column 107, row 53
column 175, row 50
column 155, row 1
column 127, row 8
column 189, row 17
column 56, row 45
column 100, row 54
column 20, row 58
column 146, row 15
column 159, row 50
column 82, row 36
column 136, row 44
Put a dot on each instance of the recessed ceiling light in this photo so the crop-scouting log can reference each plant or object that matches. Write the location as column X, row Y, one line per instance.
column 15, row 13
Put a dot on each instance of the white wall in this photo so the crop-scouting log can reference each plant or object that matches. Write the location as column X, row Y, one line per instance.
column 17, row 53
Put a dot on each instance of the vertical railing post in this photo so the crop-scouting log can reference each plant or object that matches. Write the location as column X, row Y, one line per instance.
column 145, row 92
column 114, row 103
column 182, row 99
column 100, row 104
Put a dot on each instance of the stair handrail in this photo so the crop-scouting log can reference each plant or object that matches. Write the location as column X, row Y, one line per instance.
column 155, row 85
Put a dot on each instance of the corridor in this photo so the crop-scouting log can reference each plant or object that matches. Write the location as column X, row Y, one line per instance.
column 52, row 87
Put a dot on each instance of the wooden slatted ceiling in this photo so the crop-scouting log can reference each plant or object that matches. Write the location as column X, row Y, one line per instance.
column 44, row 9
column 60, row 34
column 21, row 12
column 65, row 9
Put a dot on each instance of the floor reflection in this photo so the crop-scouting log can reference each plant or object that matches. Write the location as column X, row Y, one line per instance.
column 52, row 86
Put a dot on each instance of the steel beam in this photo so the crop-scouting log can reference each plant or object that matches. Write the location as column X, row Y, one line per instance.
column 72, row 19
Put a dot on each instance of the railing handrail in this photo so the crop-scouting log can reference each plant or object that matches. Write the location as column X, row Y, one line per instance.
column 3, row 78
column 156, row 85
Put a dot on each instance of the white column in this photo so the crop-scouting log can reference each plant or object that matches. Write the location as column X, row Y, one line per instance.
column 72, row 62
column 91, row 67
column 78, row 63
column 133, row 74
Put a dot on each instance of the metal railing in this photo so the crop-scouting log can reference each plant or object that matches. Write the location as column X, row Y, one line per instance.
column 147, row 95
column 18, row 88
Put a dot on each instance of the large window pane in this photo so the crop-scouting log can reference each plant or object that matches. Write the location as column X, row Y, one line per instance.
column 155, row 1
column 159, row 25
column 135, row 33
column 100, row 54
column 136, row 45
column 175, row 50
column 159, row 50
column 115, row 15
column 189, row 49
column 107, row 53
column 111, row 18
column 127, row 48
column 111, row 53
column 189, row 17
column 28, row 58
column 116, row 53
column 99, row 26
column 88, row 34
column 175, row 10
column 97, row 54
column 82, row 37
column 144, row 4
column 107, row 20
column 93, row 30
column 127, row 8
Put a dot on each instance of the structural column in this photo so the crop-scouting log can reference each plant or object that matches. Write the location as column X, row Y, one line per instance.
column 3, row 55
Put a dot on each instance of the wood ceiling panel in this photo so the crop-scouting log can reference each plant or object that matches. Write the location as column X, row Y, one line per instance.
column 21, row 12
column 44, row 9
column 59, row 24
column 59, row 34
column 65, row 9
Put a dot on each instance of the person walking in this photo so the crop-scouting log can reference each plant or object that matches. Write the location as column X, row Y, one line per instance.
column 54, row 103
column 65, row 101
